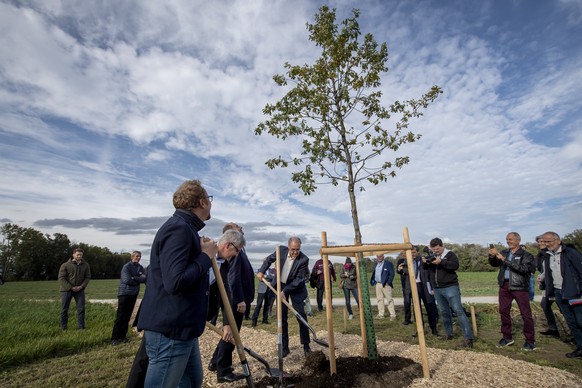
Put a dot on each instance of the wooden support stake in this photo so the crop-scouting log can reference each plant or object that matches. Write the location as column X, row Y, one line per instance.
column 329, row 307
column 474, row 320
column 368, row 249
column 416, row 305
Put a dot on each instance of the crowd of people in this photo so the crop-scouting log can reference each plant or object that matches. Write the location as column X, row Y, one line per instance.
column 182, row 292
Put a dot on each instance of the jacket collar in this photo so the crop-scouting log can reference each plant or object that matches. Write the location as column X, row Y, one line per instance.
column 190, row 218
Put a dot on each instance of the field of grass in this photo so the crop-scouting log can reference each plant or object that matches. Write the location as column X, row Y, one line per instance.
column 472, row 284
column 34, row 348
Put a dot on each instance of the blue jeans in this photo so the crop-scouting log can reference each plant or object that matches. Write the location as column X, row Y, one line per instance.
column 573, row 316
column 449, row 298
column 172, row 363
column 532, row 288
column 354, row 291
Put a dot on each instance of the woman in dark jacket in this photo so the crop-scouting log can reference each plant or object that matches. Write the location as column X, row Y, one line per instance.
column 349, row 284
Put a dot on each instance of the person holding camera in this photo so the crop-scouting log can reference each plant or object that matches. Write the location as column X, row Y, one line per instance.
column 349, row 284
column 443, row 274
column 425, row 288
column 515, row 268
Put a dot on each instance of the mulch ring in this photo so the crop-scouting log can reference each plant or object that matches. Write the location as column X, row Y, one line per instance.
column 393, row 371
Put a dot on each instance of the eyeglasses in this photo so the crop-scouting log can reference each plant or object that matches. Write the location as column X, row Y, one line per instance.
column 235, row 248
column 210, row 198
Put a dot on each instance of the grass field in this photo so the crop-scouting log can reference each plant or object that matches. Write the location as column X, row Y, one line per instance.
column 34, row 349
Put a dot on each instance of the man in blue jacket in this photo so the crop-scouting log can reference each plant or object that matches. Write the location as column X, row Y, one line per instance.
column 175, row 303
column 563, row 281
column 294, row 272
column 382, row 278
column 132, row 275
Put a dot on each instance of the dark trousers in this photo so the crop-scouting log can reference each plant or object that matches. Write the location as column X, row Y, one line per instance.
column 262, row 297
column 222, row 356
column 139, row 367
column 549, row 313
column 432, row 311
column 125, row 305
column 407, row 299
column 66, row 297
column 573, row 316
column 320, row 290
column 303, row 331
column 506, row 297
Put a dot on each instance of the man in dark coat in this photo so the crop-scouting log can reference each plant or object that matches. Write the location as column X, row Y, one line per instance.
column 241, row 287
column 294, row 273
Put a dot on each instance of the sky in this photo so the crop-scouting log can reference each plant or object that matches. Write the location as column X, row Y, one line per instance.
column 107, row 107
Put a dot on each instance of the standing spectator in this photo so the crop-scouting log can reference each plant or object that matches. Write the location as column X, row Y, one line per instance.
column 515, row 268
column 175, row 304
column 402, row 270
column 545, row 303
column 262, row 297
column 443, row 273
column 563, row 279
column 241, row 292
column 382, row 278
column 350, row 284
column 294, row 273
column 425, row 290
column 74, row 276
column 318, row 270
column 132, row 275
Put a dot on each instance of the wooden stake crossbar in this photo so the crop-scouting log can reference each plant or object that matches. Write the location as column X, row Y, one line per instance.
column 365, row 250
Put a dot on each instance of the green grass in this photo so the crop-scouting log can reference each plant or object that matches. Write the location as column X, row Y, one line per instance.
column 34, row 348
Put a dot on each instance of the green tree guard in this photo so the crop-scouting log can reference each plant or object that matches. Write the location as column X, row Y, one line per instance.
column 368, row 314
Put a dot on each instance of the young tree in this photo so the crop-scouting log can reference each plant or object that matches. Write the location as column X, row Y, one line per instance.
column 335, row 108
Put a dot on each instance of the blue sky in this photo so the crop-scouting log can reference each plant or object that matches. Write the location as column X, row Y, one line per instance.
column 105, row 108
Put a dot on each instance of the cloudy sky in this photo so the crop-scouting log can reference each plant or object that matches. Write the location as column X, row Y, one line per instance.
column 106, row 107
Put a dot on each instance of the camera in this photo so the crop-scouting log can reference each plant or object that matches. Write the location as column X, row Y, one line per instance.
column 430, row 256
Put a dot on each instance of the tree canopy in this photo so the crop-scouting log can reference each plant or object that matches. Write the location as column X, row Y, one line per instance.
column 335, row 108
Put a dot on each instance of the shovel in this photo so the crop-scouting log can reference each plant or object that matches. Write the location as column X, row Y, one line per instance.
column 299, row 317
column 273, row 372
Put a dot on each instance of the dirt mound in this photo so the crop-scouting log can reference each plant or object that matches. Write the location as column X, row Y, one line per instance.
column 350, row 372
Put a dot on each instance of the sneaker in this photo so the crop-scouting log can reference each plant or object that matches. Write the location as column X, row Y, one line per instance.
column 505, row 342
column 380, row 316
column 393, row 318
column 351, row 317
column 528, row 346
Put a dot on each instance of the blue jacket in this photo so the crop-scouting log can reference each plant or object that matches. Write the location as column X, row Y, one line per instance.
column 387, row 274
column 131, row 279
column 175, row 302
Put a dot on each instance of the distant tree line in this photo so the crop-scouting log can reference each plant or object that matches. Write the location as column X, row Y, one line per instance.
column 28, row 254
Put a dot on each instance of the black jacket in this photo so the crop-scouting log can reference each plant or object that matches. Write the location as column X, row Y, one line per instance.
column 520, row 269
column 571, row 269
column 444, row 274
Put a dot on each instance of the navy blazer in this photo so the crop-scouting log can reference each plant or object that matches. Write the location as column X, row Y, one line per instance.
column 387, row 274
column 241, row 278
column 295, row 286
column 175, row 302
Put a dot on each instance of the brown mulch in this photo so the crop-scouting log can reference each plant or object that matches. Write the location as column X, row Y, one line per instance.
column 398, row 365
